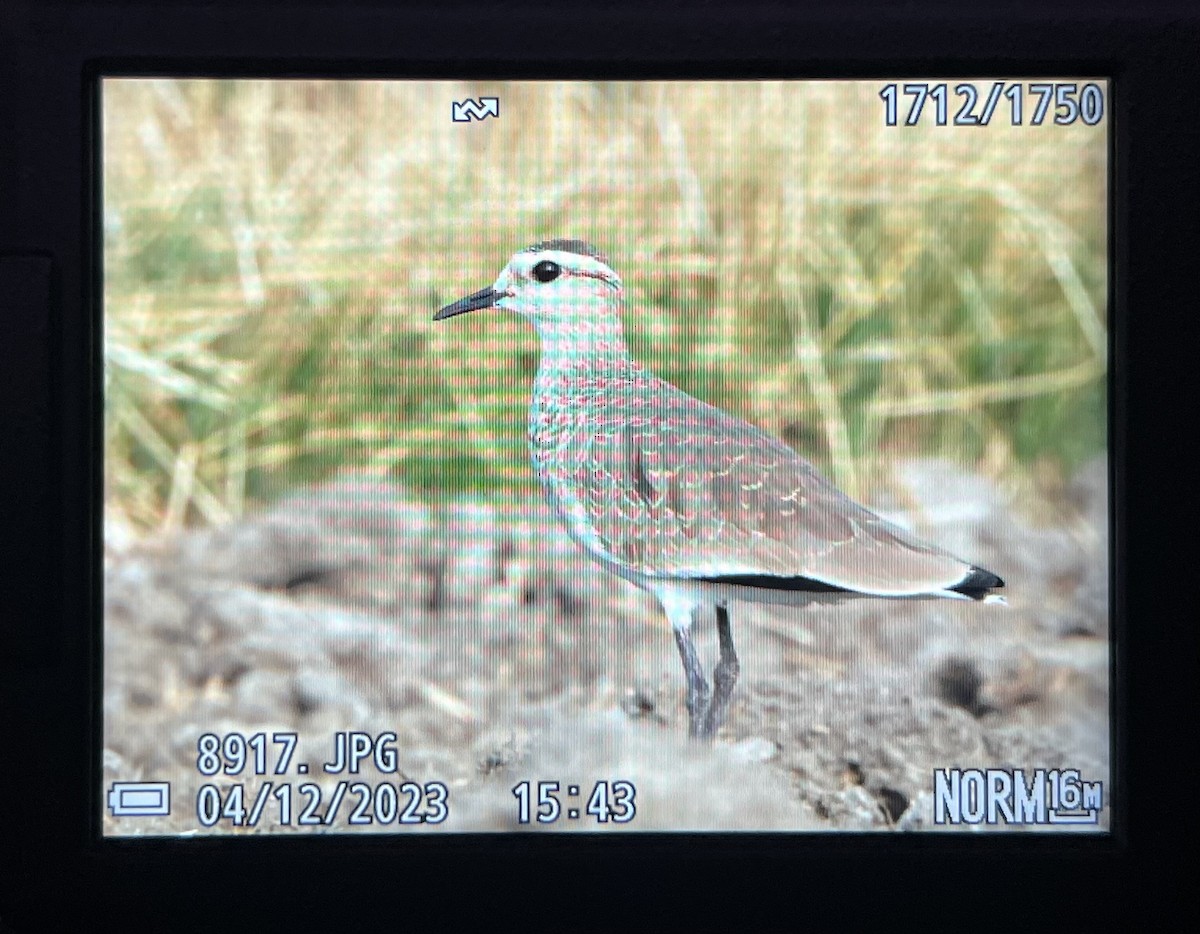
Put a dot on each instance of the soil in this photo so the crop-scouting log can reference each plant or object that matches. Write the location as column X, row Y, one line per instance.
column 497, row 653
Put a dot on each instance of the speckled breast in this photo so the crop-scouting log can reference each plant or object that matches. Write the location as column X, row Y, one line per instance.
column 560, row 428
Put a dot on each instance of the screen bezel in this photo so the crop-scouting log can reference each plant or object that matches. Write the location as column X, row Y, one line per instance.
column 708, row 43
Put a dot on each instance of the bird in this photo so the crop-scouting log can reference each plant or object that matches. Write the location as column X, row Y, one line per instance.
column 682, row 499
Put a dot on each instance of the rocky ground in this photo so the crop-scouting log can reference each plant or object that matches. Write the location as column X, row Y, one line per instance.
column 497, row 654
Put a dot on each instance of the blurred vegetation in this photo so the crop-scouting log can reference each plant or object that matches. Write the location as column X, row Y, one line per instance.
column 274, row 252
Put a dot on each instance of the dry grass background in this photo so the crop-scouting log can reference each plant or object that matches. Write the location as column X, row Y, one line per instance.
column 274, row 252
column 319, row 509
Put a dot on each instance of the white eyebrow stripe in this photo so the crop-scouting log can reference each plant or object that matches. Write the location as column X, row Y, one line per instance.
column 576, row 262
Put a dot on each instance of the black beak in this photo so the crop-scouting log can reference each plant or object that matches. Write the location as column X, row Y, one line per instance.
column 484, row 298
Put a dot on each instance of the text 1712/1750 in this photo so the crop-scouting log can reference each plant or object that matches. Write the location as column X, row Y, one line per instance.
column 1034, row 103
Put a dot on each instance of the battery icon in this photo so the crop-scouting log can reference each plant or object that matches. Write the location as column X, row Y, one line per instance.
column 139, row 799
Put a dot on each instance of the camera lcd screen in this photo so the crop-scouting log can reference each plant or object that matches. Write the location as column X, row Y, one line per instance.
column 675, row 456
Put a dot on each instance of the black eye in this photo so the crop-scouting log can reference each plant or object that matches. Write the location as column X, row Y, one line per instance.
column 546, row 271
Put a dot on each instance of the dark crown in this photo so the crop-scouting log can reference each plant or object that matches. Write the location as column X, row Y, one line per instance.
column 581, row 247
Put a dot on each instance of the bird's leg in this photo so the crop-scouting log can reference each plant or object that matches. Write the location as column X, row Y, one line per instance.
column 697, row 687
column 724, row 677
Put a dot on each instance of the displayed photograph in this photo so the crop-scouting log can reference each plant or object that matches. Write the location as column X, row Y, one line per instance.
column 589, row 456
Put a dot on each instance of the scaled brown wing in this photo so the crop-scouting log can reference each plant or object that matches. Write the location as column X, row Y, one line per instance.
column 684, row 489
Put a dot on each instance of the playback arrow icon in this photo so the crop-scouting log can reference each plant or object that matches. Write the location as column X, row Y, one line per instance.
column 463, row 111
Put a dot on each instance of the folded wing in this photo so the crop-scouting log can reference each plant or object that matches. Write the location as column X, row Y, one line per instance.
column 681, row 489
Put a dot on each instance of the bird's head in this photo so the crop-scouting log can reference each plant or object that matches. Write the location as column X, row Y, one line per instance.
column 561, row 286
